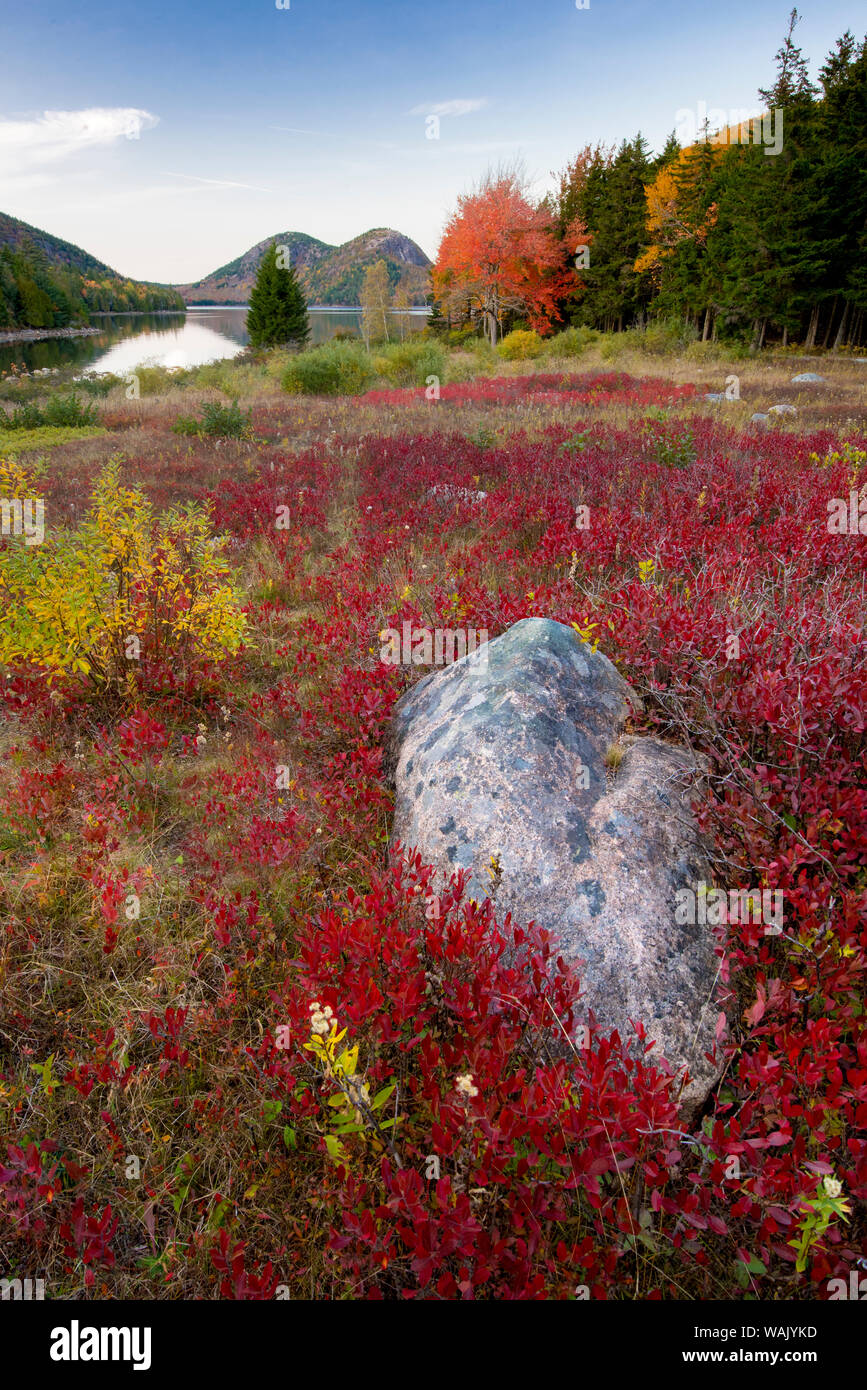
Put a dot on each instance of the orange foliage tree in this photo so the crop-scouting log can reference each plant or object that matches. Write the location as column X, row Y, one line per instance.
column 500, row 252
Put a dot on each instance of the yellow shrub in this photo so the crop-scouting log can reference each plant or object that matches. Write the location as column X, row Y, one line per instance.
column 121, row 587
column 519, row 345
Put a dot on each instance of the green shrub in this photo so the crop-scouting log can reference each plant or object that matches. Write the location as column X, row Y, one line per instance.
column 665, row 337
column 462, row 366
column 570, row 343
column 58, row 410
column 462, row 337
column 99, row 385
column 13, row 389
column 611, row 345
column 69, row 410
column 26, row 416
column 411, row 362
column 218, row 422
column 670, row 443
column 333, row 369
column 233, row 378
column 520, row 344
column 157, row 381
column 485, row 356
column 275, row 363
column 483, row 438
column 576, row 445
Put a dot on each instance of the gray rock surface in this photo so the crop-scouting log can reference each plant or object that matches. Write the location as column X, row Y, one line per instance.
column 807, row 377
column 783, row 410
column 458, row 494
column 759, row 418
column 490, row 756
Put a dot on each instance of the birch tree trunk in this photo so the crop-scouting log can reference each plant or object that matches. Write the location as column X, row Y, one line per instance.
column 813, row 328
column 841, row 331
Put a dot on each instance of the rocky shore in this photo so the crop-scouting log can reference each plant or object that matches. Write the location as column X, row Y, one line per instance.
column 32, row 335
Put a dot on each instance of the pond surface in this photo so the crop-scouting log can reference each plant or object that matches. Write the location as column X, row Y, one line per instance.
column 127, row 341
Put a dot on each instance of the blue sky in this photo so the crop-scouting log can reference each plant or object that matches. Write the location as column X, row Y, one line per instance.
column 166, row 138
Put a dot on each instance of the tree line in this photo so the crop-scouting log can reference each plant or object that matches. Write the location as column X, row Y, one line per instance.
column 755, row 230
column 34, row 293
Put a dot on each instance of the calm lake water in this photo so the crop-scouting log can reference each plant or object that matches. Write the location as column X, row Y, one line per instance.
column 200, row 335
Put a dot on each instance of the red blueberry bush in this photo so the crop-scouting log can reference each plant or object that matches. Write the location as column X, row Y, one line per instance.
column 199, row 896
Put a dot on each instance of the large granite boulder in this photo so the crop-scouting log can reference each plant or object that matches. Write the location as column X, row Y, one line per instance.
column 518, row 751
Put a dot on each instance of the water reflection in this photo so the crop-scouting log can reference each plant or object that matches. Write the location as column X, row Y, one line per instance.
column 189, row 345
column 127, row 341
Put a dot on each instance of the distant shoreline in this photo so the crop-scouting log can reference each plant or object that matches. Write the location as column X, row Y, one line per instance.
column 323, row 308
column 32, row 335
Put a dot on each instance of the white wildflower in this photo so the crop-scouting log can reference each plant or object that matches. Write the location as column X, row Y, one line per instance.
column 321, row 1020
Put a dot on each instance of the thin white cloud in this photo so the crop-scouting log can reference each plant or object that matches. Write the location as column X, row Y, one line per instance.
column 296, row 130
column 218, row 183
column 486, row 146
column 55, row 135
column 459, row 107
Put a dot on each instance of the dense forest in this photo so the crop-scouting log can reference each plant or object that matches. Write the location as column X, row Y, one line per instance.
column 755, row 230
column 48, row 283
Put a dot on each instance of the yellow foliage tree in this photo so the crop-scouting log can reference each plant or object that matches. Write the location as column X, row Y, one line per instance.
column 667, row 223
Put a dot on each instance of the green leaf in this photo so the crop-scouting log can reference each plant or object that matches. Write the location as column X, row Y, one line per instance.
column 382, row 1096
column 290, row 1138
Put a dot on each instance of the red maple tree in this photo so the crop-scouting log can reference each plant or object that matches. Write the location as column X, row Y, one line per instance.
column 501, row 252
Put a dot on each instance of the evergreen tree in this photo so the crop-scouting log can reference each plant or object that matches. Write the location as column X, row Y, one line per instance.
column 792, row 78
column 840, row 303
column 615, row 210
column 278, row 311
column 732, row 233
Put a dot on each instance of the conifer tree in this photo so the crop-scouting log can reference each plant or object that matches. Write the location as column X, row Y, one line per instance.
column 278, row 312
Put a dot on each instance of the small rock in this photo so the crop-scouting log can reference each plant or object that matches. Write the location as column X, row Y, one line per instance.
column 807, row 376
column 458, row 494
column 758, row 418
column 714, row 396
column 783, row 410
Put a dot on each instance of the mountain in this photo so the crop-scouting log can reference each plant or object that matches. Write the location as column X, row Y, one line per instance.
column 60, row 253
column 328, row 274
column 46, row 282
